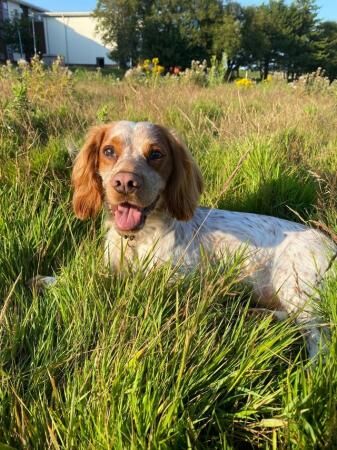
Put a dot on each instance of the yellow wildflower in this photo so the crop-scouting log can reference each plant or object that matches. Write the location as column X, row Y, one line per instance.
column 158, row 69
column 244, row 82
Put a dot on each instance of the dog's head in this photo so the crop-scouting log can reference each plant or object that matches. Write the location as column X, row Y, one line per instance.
column 135, row 168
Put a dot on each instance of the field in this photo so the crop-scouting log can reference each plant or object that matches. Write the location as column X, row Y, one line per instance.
column 108, row 361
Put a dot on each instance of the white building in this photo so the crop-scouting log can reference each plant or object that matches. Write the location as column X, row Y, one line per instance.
column 71, row 35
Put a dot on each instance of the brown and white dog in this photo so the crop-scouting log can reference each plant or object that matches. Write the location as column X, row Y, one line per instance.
column 151, row 185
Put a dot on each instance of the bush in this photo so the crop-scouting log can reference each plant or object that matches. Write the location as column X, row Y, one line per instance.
column 37, row 100
column 316, row 82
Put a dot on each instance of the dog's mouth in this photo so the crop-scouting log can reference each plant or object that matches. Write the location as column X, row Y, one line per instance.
column 129, row 217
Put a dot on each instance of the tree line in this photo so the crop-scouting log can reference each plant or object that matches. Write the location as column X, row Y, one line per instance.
column 272, row 36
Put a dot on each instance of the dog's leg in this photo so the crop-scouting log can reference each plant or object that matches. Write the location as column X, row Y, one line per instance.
column 41, row 282
column 314, row 334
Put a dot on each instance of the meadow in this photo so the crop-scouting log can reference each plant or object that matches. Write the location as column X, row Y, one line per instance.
column 107, row 361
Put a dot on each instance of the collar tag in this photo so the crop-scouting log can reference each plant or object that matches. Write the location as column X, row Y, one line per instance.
column 129, row 237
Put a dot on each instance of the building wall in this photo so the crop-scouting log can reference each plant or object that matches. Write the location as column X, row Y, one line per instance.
column 73, row 36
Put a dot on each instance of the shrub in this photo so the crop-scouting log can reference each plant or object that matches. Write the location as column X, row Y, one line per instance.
column 218, row 69
column 197, row 74
column 36, row 99
column 316, row 82
column 148, row 69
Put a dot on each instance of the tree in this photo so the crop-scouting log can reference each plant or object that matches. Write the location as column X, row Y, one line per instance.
column 119, row 22
column 302, row 38
column 228, row 36
column 264, row 33
column 256, row 42
column 175, row 31
column 165, row 33
column 178, row 31
column 327, row 57
column 228, row 39
column 204, row 16
column 276, row 35
column 282, row 36
column 248, row 35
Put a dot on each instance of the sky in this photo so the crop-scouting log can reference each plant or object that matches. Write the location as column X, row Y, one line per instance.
column 328, row 8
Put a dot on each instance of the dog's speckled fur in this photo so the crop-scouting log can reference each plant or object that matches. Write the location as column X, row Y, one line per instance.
column 283, row 261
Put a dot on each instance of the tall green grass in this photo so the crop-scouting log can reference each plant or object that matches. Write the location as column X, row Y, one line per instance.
column 105, row 360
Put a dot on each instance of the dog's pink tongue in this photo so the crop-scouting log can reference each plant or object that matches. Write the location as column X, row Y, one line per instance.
column 128, row 217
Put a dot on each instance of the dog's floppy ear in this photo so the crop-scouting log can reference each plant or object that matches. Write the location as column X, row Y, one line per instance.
column 185, row 183
column 87, row 184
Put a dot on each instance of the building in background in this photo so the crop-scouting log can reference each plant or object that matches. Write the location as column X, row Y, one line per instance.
column 71, row 35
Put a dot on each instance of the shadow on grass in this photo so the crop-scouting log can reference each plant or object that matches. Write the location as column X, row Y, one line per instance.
column 289, row 197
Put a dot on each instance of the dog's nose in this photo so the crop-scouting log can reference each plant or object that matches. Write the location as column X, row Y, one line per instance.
column 126, row 182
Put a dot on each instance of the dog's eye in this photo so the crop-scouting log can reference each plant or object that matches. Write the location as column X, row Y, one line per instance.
column 109, row 152
column 154, row 154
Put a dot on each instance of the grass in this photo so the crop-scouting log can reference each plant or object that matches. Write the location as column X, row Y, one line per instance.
column 106, row 360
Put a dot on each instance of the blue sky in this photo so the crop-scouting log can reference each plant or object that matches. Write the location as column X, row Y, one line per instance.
column 328, row 8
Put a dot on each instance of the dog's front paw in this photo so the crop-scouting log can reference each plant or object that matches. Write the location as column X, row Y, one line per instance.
column 41, row 282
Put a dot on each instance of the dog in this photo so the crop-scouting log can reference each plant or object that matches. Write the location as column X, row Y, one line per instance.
column 150, row 185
